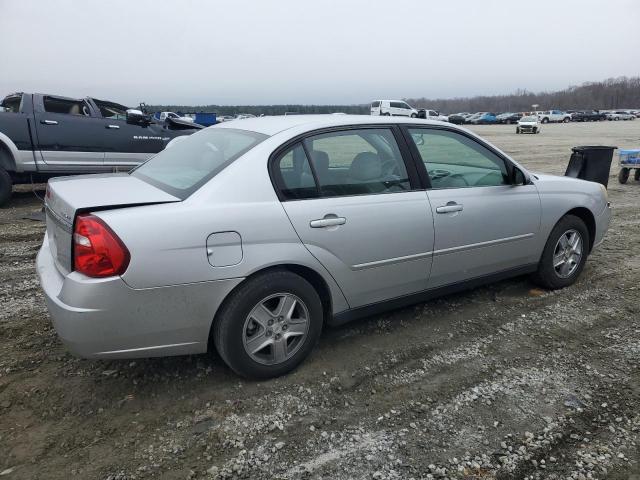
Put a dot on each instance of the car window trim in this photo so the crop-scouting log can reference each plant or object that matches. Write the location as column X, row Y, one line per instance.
column 421, row 167
column 276, row 178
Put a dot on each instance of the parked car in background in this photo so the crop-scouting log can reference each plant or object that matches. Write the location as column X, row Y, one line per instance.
column 508, row 118
column 267, row 253
column 225, row 118
column 432, row 115
column 528, row 124
column 553, row 116
column 393, row 108
column 457, row 118
column 162, row 116
column 620, row 115
column 484, row 118
column 588, row 116
column 244, row 116
column 42, row 136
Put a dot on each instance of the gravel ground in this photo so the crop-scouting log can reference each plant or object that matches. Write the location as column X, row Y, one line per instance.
column 506, row 381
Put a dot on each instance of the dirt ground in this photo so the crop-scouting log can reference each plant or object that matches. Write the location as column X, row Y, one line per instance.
column 505, row 381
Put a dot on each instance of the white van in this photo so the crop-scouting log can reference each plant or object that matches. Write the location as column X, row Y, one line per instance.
column 393, row 108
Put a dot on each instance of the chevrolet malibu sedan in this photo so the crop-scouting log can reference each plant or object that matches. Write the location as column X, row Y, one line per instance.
column 250, row 237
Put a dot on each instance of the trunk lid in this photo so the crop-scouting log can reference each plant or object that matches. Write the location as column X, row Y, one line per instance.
column 68, row 196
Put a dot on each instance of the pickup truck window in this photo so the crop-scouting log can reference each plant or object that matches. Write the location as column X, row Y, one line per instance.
column 67, row 106
column 111, row 110
column 11, row 104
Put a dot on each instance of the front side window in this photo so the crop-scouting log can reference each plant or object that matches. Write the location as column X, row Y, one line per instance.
column 357, row 162
column 111, row 110
column 185, row 166
column 66, row 106
column 453, row 160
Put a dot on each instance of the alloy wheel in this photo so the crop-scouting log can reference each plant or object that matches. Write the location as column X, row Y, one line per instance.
column 276, row 328
column 567, row 253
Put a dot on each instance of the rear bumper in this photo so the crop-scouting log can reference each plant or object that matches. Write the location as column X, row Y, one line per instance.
column 105, row 318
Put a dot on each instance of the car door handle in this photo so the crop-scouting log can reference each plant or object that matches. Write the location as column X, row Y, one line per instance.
column 449, row 207
column 328, row 221
column 115, row 127
column 48, row 122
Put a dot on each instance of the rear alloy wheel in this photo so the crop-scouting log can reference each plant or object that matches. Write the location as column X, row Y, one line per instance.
column 545, row 120
column 269, row 325
column 5, row 186
column 564, row 255
column 623, row 175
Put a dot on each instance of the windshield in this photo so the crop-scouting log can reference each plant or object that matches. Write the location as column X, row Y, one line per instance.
column 529, row 119
column 190, row 162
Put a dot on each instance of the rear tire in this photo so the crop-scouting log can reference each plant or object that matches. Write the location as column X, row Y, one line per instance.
column 551, row 275
column 6, row 185
column 517, row 130
column 623, row 175
column 535, row 130
column 236, row 325
column 636, row 175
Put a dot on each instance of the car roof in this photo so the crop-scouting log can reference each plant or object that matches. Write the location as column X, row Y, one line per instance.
column 276, row 124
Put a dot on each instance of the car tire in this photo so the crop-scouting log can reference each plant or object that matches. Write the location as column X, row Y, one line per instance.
column 413, row 115
column 517, row 130
column 566, row 120
column 535, row 130
column 548, row 274
column 386, row 114
column 545, row 120
column 235, row 320
column 636, row 175
column 623, row 175
column 6, row 185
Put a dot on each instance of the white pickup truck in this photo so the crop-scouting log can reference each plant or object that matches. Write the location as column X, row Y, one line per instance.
column 553, row 116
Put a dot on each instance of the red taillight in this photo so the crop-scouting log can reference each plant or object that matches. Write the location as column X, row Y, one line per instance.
column 97, row 251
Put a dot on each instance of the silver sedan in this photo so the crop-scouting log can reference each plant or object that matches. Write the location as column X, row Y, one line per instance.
column 251, row 236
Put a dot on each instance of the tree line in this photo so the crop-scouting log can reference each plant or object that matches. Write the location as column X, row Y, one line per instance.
column 613, row 93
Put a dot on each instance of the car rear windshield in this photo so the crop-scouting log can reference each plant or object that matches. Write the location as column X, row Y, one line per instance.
column 191, row 161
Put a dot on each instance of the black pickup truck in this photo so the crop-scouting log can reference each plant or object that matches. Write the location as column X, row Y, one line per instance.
column 588, row 116
column 42, row 136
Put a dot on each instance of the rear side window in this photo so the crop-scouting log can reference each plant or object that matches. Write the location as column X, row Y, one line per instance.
column 11, row 104
column 351, row 162
column 188, row 164
column 398, row 105
column 67, row 106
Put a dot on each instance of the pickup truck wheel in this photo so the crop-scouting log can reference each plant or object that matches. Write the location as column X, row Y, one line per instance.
column 5, row 186
column 268, row 325
column 564, row 254
column 566, row 120
column 545, row 120
column 623, row 175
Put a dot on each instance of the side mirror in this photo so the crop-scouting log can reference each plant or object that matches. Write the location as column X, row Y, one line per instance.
column 136, row 117
column 518, row 177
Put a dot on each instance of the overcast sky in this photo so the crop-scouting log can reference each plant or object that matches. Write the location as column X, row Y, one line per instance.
column 311, row 51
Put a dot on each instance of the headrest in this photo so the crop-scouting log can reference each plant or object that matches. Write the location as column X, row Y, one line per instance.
column 320, row 159
column 365, row 166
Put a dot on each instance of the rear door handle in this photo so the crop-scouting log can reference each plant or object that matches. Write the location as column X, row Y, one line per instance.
column 48, row 122
column 113, row 126
column 328, row 221
column 449, row 207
